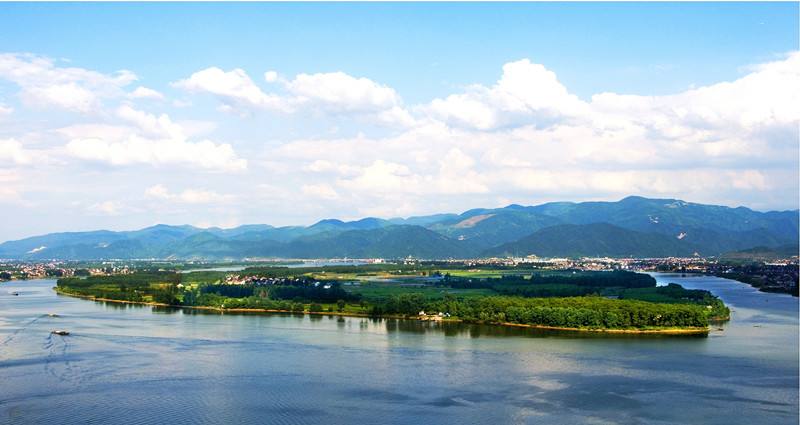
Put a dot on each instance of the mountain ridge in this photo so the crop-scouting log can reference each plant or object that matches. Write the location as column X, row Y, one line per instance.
column 634, row 225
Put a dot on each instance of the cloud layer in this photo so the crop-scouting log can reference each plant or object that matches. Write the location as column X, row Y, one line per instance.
column 319, row 144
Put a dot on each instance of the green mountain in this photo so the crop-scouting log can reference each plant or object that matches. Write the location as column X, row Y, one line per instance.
column 633, row 226
column 593, row 240
column 671, row 216
column 387, row 242
column 763, row 253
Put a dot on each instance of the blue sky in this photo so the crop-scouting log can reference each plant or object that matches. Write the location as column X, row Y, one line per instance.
column 423, row 50
column 371, row 103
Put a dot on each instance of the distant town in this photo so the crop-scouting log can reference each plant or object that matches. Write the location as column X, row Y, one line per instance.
column 777, row 275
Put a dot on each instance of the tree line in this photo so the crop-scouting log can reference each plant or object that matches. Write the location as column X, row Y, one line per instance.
column 571, row 312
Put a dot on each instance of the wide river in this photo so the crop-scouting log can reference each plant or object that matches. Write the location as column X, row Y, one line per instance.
column 136, row 364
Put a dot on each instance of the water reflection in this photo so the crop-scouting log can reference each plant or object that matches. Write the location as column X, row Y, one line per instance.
column 166, row 310
column 200, row 366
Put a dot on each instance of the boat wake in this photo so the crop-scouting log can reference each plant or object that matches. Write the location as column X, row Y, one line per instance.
column 8, row 339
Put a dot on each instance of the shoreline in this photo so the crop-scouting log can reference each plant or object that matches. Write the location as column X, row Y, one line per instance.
column 765, row 289
column 654, row 331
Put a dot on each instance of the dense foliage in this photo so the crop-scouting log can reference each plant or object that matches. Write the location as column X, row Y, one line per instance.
column 563, row 284
column 567, row 299
column 159, row 287
column 306, row 290
column 572, row 312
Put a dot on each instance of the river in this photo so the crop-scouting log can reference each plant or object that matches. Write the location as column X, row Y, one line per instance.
column 138, row 364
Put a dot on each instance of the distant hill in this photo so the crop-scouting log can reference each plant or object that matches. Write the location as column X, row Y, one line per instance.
column 763, row 253
column 633, row 226
column 593, row 240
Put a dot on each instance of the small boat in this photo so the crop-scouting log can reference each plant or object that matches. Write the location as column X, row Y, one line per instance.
column 60, row 332
column 15, row 293
column 52, row 315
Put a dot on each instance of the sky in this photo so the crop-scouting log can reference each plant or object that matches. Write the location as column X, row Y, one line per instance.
column 121, row 116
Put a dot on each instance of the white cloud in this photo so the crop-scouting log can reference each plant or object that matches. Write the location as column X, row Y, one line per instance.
column 749, row 180
column 338, row 93
column 9, row 186
column 523, row 138
column 158, row 191
column 67, row 96
column 323, row 166
column 526, row 138
column 5, row 110
column 135, row 149
column 181, row 103
column 234, row 88
column 320, row 191
column 155, row 141
column 454, row 175
column 383, row 176
column 12, row 151
column 196, row 196
column 158, row 126
column 187, row 196
column 44, row 84
column 142, row 92
column 526, row 93
column 335, row 93
column 106, row 208
column 270, row 76
column 463, row 109
column 342, row 92
column 765, row 98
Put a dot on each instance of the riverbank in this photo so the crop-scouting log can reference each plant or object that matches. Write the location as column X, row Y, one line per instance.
column 660, row 331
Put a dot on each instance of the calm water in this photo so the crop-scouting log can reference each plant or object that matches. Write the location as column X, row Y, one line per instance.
column 131, row 364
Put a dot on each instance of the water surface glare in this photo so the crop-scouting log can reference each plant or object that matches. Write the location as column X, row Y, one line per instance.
column 142, row 365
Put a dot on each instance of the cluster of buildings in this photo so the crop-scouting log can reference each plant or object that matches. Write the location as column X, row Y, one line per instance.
column 235, row 279
column 11, row 270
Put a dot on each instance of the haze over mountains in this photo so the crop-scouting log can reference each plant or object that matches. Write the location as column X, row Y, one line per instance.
column 631, row 227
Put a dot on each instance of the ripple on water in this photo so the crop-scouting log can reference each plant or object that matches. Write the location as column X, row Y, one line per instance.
column 135, row 366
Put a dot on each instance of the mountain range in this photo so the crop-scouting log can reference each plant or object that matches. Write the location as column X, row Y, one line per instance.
column 632, row 227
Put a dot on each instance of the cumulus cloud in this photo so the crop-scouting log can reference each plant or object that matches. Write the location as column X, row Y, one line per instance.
column 526, row 138
column 234, row 88
column 106, row 208
column 154, row 140
column 320, row 191
column 135, row 149
column 187, row 196
column 526, row 93
column 44, row 84
column 343, row 92
column 142, row 92
column 729, row 115
column 335, row 93
column 14, row 153
column 323, row 166
column 454, row 175
column 9, row 186
column 158, row 126
column 271, row 76
column 523, row 138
